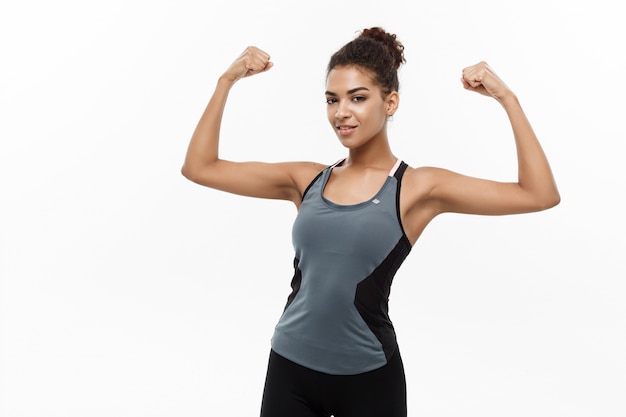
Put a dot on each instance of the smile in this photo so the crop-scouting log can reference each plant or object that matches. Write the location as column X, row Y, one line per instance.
column 346, row 130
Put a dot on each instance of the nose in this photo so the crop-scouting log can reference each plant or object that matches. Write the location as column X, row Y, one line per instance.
column 343, row 110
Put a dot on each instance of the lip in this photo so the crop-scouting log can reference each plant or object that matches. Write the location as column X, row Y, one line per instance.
column 345, row 130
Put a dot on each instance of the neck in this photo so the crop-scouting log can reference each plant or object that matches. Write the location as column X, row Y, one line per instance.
column 375, row 154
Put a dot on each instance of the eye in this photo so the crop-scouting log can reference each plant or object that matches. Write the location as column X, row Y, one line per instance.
column 331, row 100
column 358, row 98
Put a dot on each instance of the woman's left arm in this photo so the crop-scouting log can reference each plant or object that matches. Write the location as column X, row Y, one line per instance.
column 535, row 189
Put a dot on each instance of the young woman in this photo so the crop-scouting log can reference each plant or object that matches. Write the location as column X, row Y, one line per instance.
column 334, row 350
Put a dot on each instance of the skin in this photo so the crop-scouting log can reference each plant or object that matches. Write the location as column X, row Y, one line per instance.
column 358, row 110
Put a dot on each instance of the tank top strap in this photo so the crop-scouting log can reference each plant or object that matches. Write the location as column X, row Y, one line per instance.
column 398, row 169
column 395, row 167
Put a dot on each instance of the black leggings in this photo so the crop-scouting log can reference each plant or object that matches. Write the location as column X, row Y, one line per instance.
column 292, row 390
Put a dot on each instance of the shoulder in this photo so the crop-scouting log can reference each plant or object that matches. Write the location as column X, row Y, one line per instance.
column 303, row 173
column 422, row 178
column 420, row 185
column 306, row 170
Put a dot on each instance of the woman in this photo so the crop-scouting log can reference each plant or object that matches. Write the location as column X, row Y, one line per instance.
column 334, row 350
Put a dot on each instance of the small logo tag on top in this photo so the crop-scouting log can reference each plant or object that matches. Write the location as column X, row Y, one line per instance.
column 375, row 201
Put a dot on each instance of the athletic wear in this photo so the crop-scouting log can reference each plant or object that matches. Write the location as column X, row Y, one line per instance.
column 292, row 390
column 336, row 319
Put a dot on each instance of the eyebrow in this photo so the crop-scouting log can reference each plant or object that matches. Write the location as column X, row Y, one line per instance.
column 354, row 90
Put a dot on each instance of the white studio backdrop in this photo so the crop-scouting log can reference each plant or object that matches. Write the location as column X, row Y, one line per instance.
column 126, row 290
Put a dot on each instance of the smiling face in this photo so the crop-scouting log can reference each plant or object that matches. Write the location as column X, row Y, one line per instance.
column 357, row 107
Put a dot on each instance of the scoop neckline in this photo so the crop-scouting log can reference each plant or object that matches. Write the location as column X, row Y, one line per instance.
column 354, row 206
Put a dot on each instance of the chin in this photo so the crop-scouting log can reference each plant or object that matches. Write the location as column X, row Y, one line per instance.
column 346, row 143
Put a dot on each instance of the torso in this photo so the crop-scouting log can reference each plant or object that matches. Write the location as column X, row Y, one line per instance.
column 347, row 252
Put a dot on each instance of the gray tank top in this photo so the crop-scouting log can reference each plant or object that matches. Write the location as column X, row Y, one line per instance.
column 336, row 318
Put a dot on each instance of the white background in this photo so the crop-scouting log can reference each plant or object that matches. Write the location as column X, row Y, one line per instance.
column 127, row 290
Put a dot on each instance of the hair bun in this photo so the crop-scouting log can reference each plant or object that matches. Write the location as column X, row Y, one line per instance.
column 395, row 48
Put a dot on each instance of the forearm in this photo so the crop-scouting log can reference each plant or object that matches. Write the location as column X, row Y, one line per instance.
column 534, row 172
column 203, row 147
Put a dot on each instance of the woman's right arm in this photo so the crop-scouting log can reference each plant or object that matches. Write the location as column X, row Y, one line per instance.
column 202, row 165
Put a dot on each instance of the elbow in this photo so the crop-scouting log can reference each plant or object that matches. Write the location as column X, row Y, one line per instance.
column 184, row 170
column 549, row 201
column 202, row 174
column 189, row 173
column 555, row 197
column 556, row 200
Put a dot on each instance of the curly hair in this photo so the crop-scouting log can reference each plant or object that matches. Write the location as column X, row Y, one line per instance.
column 374, row 50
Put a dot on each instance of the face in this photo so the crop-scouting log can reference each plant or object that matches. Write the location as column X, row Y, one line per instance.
column 357, row 108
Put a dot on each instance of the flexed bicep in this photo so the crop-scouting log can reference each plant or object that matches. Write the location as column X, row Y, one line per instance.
column 283, row 180
column 458, row 193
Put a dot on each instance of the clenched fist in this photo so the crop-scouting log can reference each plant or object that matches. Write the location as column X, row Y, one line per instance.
column 251, row 61
column 482, row 79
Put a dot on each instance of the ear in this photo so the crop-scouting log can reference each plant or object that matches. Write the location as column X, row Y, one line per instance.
column 392, row 101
